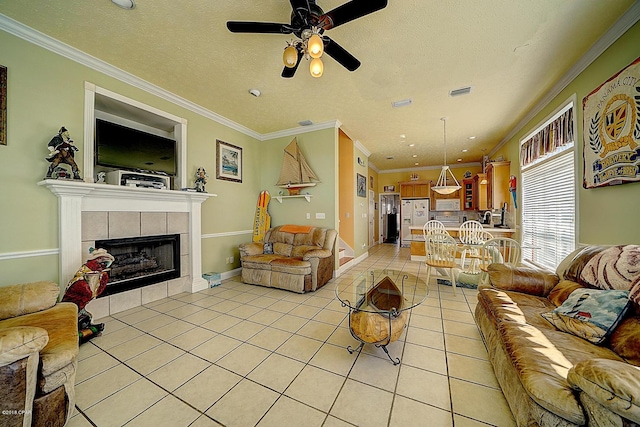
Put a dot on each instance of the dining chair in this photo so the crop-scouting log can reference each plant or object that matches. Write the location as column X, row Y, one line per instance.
column 431, row 227
column 500, row 250
column 470, row 236
column 441, row 255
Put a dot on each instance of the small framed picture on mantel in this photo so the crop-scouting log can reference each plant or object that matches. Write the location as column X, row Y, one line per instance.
column 228, row 161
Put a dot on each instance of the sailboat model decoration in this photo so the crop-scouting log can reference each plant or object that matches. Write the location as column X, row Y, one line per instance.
column 296, row 173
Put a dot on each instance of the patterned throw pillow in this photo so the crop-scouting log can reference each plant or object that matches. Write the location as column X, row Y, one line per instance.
column 617, row 267
column 267, row 248
column 591, row 314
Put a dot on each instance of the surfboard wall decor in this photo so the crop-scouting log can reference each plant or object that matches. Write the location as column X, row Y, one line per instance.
column 262, row 220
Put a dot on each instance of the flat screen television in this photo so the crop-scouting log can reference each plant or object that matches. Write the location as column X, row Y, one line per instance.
column 121, row 147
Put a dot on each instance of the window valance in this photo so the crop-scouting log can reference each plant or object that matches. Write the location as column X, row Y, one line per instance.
column 558, row 133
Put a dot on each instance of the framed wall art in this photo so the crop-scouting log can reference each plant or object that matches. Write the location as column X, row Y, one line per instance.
column 362, row 185
column 611, row 130
column 3, row 105
column 228, row 161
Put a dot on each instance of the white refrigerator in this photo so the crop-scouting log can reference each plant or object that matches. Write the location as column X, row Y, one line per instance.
column 413, row 213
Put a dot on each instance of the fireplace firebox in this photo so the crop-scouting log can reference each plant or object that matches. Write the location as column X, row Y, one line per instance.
column 141, row 261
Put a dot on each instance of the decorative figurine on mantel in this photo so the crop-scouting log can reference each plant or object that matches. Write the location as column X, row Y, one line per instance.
column 62, row 150
column 201, row 180
column 88, row 283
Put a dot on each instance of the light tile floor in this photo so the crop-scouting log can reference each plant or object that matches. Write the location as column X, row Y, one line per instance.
column 243, row 355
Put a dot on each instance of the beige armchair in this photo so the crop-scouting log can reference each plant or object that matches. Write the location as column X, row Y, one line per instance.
column 38, row 355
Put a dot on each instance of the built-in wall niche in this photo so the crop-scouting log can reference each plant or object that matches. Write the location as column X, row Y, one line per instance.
column 110, row 106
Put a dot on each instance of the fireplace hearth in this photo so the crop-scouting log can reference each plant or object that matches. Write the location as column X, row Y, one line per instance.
column 141, row 261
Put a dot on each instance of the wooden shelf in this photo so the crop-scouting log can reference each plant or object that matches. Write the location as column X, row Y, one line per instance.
column 306, row 196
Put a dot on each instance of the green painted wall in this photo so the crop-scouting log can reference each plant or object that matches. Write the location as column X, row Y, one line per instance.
column 606, row 215
column 320, row 148
column 46, row 91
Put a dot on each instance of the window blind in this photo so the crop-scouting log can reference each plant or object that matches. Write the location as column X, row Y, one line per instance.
column 548, row 209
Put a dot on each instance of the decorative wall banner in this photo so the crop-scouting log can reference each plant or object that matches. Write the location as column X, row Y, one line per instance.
column 611, row 130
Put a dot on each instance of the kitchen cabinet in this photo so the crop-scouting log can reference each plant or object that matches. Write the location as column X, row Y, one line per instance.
column 498, row 184
column 473, row 195
column 468, row 196
column 414, row 189
column 481, row 192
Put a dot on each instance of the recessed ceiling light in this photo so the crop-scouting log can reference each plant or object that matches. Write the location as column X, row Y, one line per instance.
column 403, row 136
column 459, row 160
column 464, row 150
column 415, row 155
column 412, row 145
column 472, row 137
column 416, row 164
column 125, row 4
column 255, row 92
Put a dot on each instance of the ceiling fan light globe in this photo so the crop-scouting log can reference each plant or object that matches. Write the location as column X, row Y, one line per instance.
column 315, row 46
column 316, row 67
column 290, row 57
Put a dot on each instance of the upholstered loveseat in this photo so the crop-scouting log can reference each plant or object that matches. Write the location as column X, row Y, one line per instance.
column 295, row 258
column 38, row 355
column 555, row 378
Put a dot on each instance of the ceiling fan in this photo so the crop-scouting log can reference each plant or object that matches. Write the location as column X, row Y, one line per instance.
column 308, row 23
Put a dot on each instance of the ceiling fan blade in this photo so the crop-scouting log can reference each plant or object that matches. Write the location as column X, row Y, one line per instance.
column 339, row 53
column 299, row 4
column 287, row 73
column 258, row 27
column 349, row 11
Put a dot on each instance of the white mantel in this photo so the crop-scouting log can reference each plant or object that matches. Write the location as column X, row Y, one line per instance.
column 75, row 197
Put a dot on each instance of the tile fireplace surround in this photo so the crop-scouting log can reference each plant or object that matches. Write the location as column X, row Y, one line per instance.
column 89, row 212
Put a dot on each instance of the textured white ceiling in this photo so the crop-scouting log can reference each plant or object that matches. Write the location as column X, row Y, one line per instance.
column 510, row 51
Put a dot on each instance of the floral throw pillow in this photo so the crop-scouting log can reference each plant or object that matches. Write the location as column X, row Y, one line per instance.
column 591, row 314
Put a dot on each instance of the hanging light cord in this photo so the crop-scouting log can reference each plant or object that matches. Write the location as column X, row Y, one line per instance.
column 444, row 126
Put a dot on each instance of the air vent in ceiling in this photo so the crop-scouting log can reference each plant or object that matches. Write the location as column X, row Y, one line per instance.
column 305, row 123
column 461, row 91
column 390, row 158
column 401, row 103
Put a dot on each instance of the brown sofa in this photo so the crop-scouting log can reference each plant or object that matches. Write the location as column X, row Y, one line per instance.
column 555, row 378
column 302, row 260
column 38, row 355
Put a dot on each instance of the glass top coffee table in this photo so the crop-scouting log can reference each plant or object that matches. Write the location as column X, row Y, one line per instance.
column 379, row 302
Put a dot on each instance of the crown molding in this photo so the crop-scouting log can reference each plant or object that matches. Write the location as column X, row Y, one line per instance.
column 621, row 26
column 33, row 36
column 362, row 148
column 37, row 38
column 332, row 124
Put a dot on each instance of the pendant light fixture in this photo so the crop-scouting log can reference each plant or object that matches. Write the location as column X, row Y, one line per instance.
column 441, row 186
